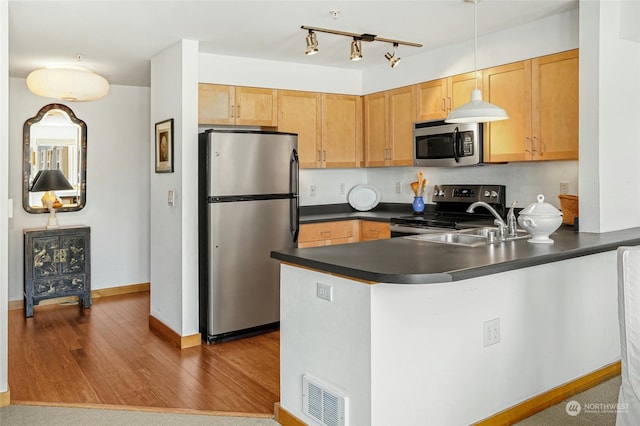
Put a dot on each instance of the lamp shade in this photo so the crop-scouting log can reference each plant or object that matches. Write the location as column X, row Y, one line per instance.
column 49, row 180
column 72, row 83
column 476, row 111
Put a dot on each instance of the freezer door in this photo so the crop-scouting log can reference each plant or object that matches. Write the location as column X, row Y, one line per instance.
column 250, row 163
column 244, row 281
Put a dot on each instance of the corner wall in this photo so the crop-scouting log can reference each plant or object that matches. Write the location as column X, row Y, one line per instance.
column 174, row 229
column 4, row 177
column 609, row 103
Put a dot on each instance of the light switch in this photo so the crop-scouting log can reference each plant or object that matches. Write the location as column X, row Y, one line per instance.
column 171, row 197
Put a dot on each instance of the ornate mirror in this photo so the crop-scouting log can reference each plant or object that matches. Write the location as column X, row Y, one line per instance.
column 55, row 139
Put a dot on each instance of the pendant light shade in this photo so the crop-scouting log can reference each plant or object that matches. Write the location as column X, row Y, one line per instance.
column 70, row 83
column 476, row 110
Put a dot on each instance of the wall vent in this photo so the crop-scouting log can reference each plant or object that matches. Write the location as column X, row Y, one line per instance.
column 323, row 403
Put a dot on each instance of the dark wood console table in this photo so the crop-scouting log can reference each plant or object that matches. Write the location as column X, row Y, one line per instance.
column 56, row 264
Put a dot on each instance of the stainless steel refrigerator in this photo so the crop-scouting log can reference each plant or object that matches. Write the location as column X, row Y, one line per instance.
column 248, row 204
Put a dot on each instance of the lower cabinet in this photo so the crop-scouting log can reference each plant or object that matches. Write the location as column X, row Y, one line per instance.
column 56, row 264
column 370, row 230
column 341, row 232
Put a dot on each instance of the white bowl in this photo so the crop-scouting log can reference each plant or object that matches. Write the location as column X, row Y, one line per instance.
column 540, row 220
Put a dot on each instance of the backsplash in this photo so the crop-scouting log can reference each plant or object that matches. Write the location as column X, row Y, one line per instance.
column 524, row 181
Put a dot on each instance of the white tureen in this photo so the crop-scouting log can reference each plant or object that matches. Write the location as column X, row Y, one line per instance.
column 540, row 220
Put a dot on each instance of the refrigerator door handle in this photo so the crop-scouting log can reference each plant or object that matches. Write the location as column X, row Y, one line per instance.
column 294, row 170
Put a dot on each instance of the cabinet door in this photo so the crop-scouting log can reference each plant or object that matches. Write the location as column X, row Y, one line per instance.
column 459, row 88
column 402, row 109
column 342, row 130
column 555, row 106
column 370, row 230
column 300, row 112
column 327, row 233
column 256, row 107
column 376, row 133
column 432, row 100
column 509, row 86
column 215, row 102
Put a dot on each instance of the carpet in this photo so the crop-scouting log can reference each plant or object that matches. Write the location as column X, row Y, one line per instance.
column 18, row 415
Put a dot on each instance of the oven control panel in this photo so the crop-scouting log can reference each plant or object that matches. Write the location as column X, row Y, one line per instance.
column 492, row 194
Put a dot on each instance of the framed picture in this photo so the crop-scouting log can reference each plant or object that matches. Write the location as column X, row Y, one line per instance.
column 164, row 146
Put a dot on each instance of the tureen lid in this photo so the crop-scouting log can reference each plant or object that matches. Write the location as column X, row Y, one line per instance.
column 541, row 208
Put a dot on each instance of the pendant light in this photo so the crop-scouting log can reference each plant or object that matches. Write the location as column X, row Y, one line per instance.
column 476, row 110
column 69, row 83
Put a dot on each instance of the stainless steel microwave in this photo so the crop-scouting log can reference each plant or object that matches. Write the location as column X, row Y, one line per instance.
column 440, row 144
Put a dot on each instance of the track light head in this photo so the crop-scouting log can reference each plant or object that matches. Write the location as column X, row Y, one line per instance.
column 312, row 43
column 391, row 57
column 356, row 49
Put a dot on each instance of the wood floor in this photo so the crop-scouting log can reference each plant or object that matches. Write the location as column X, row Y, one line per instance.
column 108, row 355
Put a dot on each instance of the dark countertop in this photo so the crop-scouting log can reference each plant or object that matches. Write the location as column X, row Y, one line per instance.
column 406, row 261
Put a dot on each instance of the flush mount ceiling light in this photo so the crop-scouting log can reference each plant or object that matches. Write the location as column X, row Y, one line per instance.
column 312, row 44
column 356, row 49
column 476, row 110
column 72, row 83
column 356, row 46
column 391, row 57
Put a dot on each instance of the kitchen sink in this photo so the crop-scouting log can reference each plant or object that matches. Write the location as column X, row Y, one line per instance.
column 475, row 237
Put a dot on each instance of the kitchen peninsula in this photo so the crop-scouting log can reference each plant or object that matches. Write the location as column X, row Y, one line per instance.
column 397, row 326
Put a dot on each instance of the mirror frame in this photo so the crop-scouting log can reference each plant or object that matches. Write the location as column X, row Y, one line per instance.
column 26, row 155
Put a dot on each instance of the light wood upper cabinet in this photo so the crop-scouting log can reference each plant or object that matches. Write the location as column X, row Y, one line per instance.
column 250, row 106
column 376, row 129
column 540, row 96
column 555, row 106
column 509, row 87
column 341, row 131
column 301, row 113
column 436, row 98
column 388, row 124
column 329, row 127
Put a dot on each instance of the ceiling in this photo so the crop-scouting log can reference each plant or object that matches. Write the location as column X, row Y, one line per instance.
column 118, row 38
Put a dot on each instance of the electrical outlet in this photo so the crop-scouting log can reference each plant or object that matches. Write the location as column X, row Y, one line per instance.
column 398, row 187
column 324, row 291
column 312, row 190
column 491, row 332
column 564, row 187
column 342, row 188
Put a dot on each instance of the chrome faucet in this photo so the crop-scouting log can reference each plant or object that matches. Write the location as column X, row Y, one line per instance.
column 502, row 226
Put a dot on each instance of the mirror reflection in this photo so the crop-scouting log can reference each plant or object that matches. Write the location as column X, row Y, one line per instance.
column 55, row 139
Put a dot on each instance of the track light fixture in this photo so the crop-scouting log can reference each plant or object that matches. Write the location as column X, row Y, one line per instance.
column 312, row 43
column 356, row 44
column 356, row 49
column 391, row 57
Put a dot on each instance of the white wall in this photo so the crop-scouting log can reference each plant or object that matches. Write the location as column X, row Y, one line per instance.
column 117, row 208
column 4, row 176
column 555, row 34
column 174, row 229
column 609, row 101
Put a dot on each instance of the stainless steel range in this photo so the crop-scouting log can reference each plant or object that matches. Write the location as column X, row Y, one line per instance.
column 449, row 210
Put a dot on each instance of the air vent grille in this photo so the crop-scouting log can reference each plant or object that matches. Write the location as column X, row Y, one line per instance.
column 322, row 403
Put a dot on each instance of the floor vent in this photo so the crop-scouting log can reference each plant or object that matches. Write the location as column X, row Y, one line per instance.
column 322, row 403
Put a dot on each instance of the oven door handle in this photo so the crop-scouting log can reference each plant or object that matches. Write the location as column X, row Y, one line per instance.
column 456, row 137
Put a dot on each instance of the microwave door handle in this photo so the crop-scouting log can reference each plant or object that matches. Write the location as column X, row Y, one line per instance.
column 456, row 136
